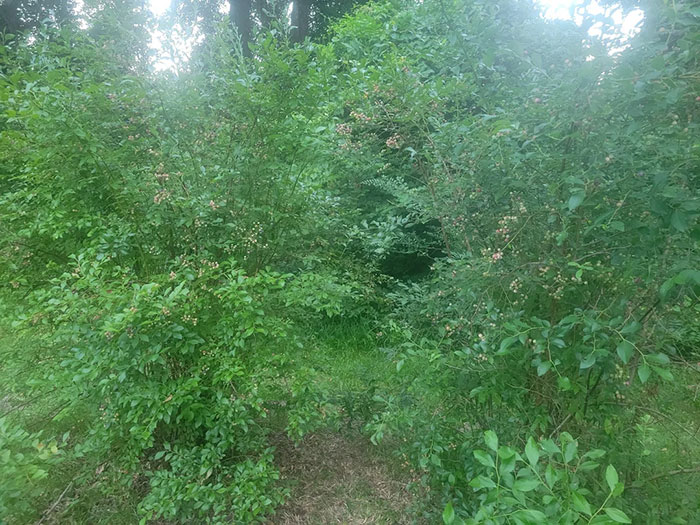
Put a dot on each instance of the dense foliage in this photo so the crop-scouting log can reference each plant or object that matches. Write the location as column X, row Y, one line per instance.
column 507, row 208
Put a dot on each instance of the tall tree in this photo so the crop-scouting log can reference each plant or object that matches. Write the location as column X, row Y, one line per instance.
column 301, row 19
column 240, row 17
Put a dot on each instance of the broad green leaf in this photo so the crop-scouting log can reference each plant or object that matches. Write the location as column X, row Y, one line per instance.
column 570, row 450
column 484, row 458
column 581, row 503
column 448, row 515
column 625, row 350
column 532, row 452
column 507, row 465
column 506, row 343
column 619, row 489
column 643, row 372
column 530, row 516
column 588, row 465
column 617, row 225
column 596, row 453
column 550, row 446
column 663, row 373
column 491, row 440
column 506, row 452
column 659, row 359
column 617, row 515
column 564, row 383
column 588, row 361
column 631, row 328
column 482, row 482
column 679, row 220
column 611, row 477
column 526, row 485
column 575, row 200
column 550, row 475
column 688, row 276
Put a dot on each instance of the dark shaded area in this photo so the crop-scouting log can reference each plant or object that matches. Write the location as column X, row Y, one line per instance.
column 22, row 15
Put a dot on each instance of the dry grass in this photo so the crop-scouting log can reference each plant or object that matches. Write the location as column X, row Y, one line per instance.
column 335, row 479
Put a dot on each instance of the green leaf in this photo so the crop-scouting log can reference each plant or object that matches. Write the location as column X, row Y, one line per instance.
column 481, row 482
column 550, row 446
column 506, row 343
column 663, row 373
column 530, row 516
column 611, row 477
column 588, row 465
column 617, row 225
column 526, row 485
column 631, row 328
column 643, row 372
column 491, row 440
column 679, row 220
column 506, row 452
column 484, row 458
column 580, row 503
column 550, row 475
column 570, row 450
column 507, row 466
column 448, row 515
column 685, row 277
column 619, row 489
column 564, row 383
column 596, row 453
column 532, row 452
column 625, row 350
column 575, row 200
column 659, row 359
column 617, row 515
column 588, row 361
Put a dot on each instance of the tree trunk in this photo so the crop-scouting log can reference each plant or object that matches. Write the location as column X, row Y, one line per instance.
column 301, row 13
column 240, row 17
column 263, row 10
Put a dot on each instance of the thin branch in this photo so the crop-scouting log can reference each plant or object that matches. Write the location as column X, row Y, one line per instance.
column 658, row 413
column 48, row 512
column 560, row 425
column 693, row 470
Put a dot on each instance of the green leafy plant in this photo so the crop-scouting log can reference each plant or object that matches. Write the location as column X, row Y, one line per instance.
column 546, row 485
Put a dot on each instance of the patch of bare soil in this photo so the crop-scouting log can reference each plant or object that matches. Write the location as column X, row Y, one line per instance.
column 337, row 479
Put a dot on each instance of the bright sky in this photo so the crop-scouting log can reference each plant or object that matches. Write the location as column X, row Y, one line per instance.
column 571, row 9
column 159, row 6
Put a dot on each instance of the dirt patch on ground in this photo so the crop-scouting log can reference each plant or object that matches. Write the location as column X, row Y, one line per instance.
column 339, row 479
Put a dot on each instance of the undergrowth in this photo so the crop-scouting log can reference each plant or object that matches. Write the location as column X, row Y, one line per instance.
column 452, row 232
